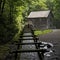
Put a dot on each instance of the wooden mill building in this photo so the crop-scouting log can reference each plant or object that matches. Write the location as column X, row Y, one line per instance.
column 40, row 19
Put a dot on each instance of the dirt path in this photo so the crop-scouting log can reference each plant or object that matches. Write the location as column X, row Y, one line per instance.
column 54, row 38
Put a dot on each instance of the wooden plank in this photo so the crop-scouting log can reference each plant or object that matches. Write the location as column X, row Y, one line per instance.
column 29, row 38
column 29, row 43
column 36, row 50
column 26, row 39
column 26, row 36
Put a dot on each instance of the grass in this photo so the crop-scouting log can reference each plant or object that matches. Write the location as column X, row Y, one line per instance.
column 3, row 50
column 40, row 32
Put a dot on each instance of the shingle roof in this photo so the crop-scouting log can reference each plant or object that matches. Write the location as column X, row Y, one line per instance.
column 39, row 14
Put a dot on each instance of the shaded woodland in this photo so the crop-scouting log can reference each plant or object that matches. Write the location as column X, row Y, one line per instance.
column 13, row 15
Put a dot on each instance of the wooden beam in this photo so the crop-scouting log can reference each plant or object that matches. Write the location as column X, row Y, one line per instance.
column 29, row 38
column 29, row 43
column 26, row 36
column 26, row 51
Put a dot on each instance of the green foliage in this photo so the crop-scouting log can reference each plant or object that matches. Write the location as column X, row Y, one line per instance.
column 8, row 23
column 13, row 14
column 39, row 32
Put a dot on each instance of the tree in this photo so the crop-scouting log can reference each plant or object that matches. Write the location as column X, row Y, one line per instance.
column 2, row 4
column 57, row 14
column 8, row 23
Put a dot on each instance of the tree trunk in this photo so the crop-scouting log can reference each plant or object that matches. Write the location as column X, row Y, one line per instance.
column 3, row 6
column 0, row 3
column 11, row 10
column 0, row 6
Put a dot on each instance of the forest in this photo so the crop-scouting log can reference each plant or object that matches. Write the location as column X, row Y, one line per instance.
column 13, row 15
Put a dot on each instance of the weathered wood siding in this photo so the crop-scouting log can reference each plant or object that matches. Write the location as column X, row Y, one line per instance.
column 41, row 23
column 38, row 23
